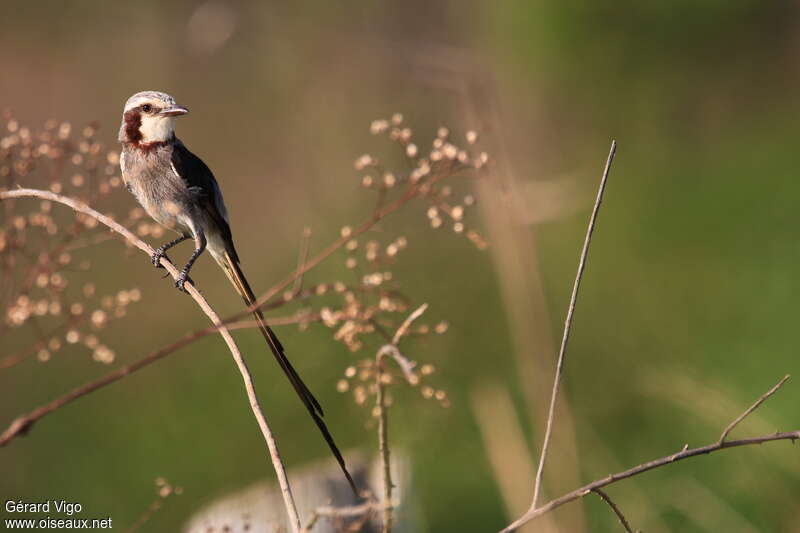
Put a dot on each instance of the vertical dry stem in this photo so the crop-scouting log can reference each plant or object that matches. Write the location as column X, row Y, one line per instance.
column 568, row 325
column 390, row 350
column 383, row 448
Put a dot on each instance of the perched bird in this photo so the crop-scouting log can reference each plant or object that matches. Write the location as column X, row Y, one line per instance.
column 179, row 192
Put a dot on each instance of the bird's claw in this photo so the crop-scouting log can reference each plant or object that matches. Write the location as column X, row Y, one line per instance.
column 181, row 281
column 156, row 257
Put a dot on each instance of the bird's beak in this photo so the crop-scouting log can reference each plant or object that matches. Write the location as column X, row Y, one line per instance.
column 174, row 111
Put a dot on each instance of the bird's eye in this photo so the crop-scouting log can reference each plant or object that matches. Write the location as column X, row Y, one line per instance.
column 147, row 108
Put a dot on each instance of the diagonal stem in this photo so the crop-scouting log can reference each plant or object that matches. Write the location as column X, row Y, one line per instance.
column 247, row 378
column 568, row 325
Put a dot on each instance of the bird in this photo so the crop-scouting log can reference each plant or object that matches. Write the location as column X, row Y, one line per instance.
column 178, row 190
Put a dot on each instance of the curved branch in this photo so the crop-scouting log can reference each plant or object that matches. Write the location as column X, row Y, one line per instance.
column 255, row 406
column 644, row 467
column 685, row 453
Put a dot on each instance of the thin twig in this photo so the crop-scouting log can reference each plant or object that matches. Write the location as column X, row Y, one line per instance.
column 383, row 447
column 407, row 323
column 614, row 508
column 685, row 453
column 23, row 423
column 568, row 325
column 752, row 408
column 383, row 415
column 413, row 191
column 255, row 406
column 644, row 467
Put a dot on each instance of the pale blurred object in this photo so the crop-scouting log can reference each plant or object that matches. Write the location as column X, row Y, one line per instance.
column 317, row 488
column 210, row 26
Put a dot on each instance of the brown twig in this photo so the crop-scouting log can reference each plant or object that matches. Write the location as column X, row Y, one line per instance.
column 614, row 508
column 685, row 453
column 255, row 406
column 752, row 408
column 390, row 350
column 669, row 459
column 23, row 423
column 568, row 325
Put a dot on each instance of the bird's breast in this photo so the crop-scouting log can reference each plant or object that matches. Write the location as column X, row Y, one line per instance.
column 149, row 176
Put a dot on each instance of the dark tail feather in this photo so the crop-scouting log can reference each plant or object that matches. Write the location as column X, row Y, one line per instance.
column 231, row 268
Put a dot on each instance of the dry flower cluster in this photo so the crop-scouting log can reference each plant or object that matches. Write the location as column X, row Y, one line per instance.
column 37, row 250
column 360, row 313
column 164, row 490
column 40, row 248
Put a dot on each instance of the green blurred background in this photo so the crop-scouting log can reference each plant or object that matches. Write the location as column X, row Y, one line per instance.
column 686, row 311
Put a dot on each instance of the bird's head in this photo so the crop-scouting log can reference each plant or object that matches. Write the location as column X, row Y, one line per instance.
column 149, row 117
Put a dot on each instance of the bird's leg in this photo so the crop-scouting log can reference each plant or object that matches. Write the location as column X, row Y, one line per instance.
column 161, row 251
column 199, row 246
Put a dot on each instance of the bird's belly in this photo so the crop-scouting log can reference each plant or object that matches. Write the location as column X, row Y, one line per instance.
column 164, row 208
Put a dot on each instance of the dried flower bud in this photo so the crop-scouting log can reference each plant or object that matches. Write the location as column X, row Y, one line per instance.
column 378, row 126
column 364, row 161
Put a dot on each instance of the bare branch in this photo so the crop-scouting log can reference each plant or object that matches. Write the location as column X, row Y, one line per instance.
column 752, row 408
column 255, row 406
column 614, row 508
column 669, row 459
column 407, row 366
column 685, row 453
column 568, row 325
column 407, row 323
column 23, row 423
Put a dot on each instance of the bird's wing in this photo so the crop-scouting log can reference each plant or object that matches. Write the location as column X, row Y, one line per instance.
column 199, row 178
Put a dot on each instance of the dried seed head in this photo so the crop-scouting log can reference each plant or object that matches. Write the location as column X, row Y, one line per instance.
column 378, row 126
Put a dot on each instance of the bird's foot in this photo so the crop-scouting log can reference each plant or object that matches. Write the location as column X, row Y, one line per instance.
column 182, row 279
column 157, row 255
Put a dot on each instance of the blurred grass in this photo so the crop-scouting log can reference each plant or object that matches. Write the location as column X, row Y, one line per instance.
column 692, row 268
